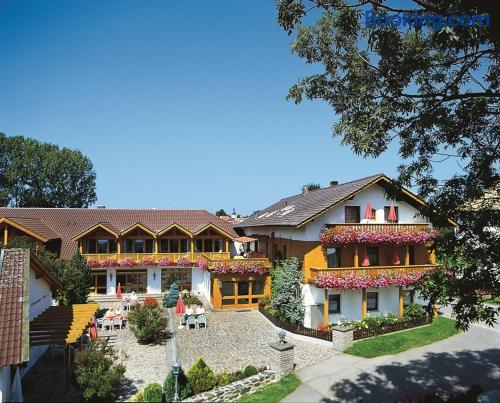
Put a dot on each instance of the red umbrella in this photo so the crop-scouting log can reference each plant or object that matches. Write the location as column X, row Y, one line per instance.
column 119, row 292
column 392, row 214
column 93, row 329
column 180, row 309
column 366, row 260
column 395, row 257
column 368, row 211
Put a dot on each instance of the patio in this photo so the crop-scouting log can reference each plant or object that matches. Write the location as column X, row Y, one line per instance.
column 235, row 339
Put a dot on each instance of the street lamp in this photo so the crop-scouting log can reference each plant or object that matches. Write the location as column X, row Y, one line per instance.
column 281, row 336
column 175, row 370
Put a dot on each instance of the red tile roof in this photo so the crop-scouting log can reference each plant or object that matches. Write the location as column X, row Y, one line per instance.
column 14, row 307
column 70, row 222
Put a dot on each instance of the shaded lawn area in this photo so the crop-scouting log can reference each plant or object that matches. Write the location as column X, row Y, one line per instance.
column 394, row 343
column 273, row 392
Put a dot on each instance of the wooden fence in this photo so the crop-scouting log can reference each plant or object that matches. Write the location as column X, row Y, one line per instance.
column 394, row 327
column 296, row 329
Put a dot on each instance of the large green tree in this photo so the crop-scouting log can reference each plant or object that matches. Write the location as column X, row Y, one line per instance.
column 434, row 91
column 36, row 174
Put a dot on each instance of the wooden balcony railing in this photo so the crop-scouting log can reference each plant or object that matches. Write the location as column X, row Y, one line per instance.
column 261, row 260
column 174, row 256
column 370, row 270
column 379, row 227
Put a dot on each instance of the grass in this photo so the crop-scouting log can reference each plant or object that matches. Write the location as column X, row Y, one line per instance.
column 394, row 343
column 273, row 392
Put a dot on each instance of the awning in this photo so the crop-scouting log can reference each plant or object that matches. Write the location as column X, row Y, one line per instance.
column 61, row 324
column 245, row 239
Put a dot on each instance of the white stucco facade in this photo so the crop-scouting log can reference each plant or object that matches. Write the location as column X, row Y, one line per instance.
column 200, row 282
column 154, row 280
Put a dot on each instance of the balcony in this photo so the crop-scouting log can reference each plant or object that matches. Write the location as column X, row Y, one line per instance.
column 372, row 271
column 378, row 227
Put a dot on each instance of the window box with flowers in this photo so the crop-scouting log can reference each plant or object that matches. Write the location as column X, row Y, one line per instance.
column 353, row 282
column 333, row 237
column 184, row 261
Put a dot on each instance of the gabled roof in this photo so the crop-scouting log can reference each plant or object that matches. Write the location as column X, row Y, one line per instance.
column 106, row 226
column 139, row 225
column 175, row 225
column 34, row 227
column 298, row 210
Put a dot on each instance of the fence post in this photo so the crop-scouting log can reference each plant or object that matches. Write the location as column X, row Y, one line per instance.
column 342, row 337
column 282, row 358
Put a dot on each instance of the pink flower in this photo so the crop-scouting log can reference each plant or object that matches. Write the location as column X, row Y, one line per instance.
column 147, row 261
column 335, row 237
column 92, row 263
column 165, row 262
column 202, row 263
column 222, row 268
column 354, row 282
column 184, row 261
column 127, row 262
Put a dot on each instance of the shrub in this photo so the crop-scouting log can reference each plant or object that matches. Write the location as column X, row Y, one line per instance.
column 138, row 397
column 224, row 378
column 146, row 323
column 265, row 301
column 413, row 311
column 153, row 393
column 201, row 377
column 286, row 291
column 238, row 375
column 190, row 299
column 185, row 389
column 249, row 370
column 171, row 297
column 96, row 372
column 322, row 327
column 150, row 302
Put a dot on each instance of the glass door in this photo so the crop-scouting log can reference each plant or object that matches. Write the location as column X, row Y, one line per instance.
column 242, row 293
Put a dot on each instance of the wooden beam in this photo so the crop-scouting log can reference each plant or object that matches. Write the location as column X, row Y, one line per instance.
column 325, row 308
column 401, row 302
column 363, row 303
column 5, row 235
column 356, row 256
column 407, row 255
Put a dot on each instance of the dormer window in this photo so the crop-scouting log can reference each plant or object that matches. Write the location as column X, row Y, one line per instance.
column 352, row 214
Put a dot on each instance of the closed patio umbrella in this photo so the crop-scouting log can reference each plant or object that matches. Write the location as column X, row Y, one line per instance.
column 395, row 257
column 93, row 329
column 119, row 292
column 392, row 214
column 180, row 309
column 366, row 260
column 368, row 211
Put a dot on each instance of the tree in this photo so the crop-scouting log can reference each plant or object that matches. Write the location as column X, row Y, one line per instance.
column 171, row 297
column 201, row 377
column 433, row 91
column 311, row 186
column 75, row 276
column 221, row 213
column 184, row 386
column 286, row 292
column 35, row 174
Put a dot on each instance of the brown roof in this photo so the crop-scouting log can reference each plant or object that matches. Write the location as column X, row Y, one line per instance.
column 70, row 222
column 35, row 225
column 245, row 239
column 14, row 307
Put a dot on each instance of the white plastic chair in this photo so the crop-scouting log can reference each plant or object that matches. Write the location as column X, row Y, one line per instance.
column 191, row 320
column 202, row 320
column 117, row 322
column 106, row 322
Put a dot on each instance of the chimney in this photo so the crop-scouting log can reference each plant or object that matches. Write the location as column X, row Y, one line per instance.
column 100, row 206
column 334, row 183
column 234, row 215
column 305, row 190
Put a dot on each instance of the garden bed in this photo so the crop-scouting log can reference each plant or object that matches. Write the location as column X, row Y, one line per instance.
column 393, row 327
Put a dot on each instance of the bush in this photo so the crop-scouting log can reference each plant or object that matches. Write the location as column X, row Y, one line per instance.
column 96, row 372
column 147, row 323
column 286, row 291
column 413, row 311
column 201, row 377
column 153, row 393
column 185, row 389
column 171, row 297
column 238, row 375
column 150, row 302
column 190, row 299
column 250, row 370
column 224, row 378
column 265, row 301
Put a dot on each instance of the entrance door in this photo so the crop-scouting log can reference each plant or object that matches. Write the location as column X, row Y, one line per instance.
column 135, row 281
column 242, row 293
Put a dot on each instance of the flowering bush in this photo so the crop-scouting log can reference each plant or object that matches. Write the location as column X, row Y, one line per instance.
column 333, row 237
column 93, row 263
column 239, row 267
column 184, row 261
column 353, row 282
column 127, row 262
column 322, row 328
column 222, row 268
column 150, row 302
column 165, row 262
column 147, row 261
column 202, row 263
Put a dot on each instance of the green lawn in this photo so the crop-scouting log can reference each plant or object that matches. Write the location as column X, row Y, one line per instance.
column 395, row 343
column 273, row 392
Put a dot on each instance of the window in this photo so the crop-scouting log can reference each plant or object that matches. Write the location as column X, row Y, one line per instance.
column 129, row 246
column 149, row 246
column 112, row 245
column 352, row 214
column 91, row 246
column 184, row 245
column 208, row 245
column 333, row 256
column 163, row 246
column 408, row 297
column 372, row 255
column 174, row 246
column 102, row 246
column 199, row 245
column 386, row 213
column 372, row 301
column 258, row 287
column 138, row 245
column 334, row 303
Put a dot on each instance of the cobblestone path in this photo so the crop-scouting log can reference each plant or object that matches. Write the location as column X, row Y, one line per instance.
column 235, row 339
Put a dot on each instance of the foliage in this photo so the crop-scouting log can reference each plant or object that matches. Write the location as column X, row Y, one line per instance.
column 201, row 377
column 273, row 392
column 75, row 276
column 220, row 213
column 36, row 174
column 436, row 289
column 394, row 343
column 435, row 93
column 170, row 298
column 334, row 237
column 150, row 302
column 286, row 291
column 97, row 374
column 224, row 378
column 354, row 282
column 184, row 386
column 190, row 299
column 311, row 186
column 147, row 323
column 250, row 370
column 138, row 397
column 413, row 311
column 153, row 393
column 323, row 328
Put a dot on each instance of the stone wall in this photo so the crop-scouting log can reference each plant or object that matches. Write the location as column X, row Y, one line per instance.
column 234, row 390
column 342, row 337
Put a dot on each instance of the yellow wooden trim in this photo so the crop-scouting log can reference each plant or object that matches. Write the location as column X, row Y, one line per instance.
column 138, row 225
column 80, row 247
column 119, row 246
column 156, row 246
column 325, row 308
column 356, row 256
column 179, row 227
column 20, row 227
column 401, row 302
column 5, row 236
column 407, row 255
column 214, row 227
column 93, row 228
column 363, row 303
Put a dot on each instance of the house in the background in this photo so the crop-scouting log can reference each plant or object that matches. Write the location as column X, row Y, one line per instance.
column 360, row 250
column 25, row 292
column 146, row 250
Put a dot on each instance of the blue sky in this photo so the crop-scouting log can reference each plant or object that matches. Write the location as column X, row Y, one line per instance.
column 177, row 104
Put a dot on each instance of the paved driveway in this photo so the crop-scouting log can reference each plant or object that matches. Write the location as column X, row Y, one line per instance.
column 453, row 364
